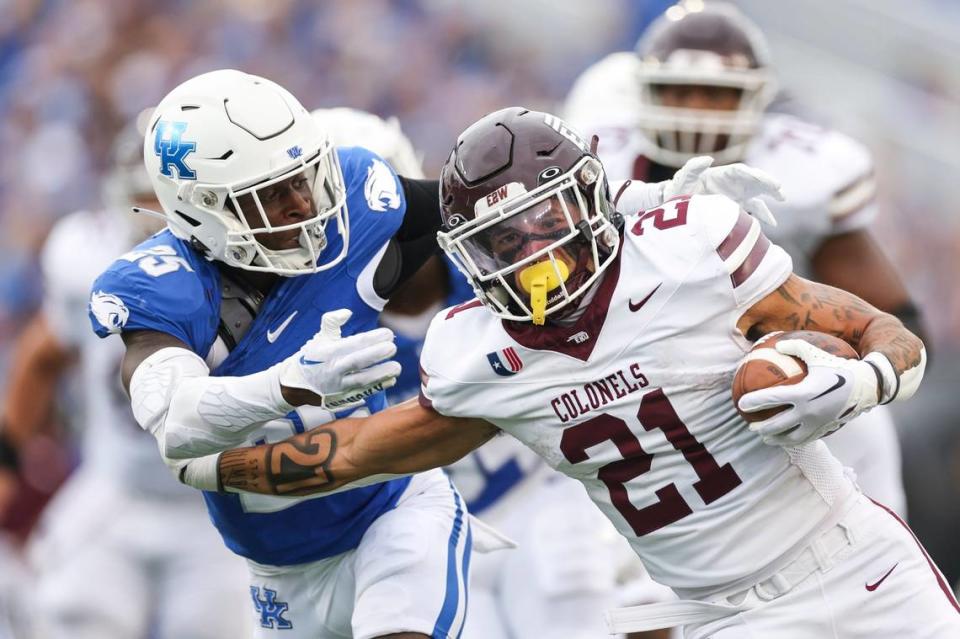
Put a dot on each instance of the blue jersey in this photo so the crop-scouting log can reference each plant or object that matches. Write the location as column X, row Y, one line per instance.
column 164, row 285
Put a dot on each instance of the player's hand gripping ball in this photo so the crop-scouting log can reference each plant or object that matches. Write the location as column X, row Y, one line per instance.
column 764, row 367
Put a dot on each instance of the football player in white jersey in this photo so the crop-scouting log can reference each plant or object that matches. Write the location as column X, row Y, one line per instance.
column 606, row 339
column 121, row 523
column 567, row 559
column 699, row 84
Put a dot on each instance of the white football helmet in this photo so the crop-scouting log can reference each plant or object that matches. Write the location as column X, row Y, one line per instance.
column 226, row 134
column 353, row 127
column 714, row 45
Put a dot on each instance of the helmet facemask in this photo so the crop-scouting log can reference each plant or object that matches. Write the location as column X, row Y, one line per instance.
column 677, row 134
column 249, row 232
column 711, row 47
column 532, row 253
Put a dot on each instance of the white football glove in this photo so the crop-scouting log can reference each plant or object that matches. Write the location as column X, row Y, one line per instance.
column 343, row 371
column 834, row 391
column 739, row 182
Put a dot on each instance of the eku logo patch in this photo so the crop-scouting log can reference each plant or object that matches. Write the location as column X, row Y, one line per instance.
column 505, row 362
column 172, row 149
column 271, row 611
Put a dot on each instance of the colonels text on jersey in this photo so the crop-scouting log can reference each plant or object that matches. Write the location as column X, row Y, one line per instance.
column 633, row 399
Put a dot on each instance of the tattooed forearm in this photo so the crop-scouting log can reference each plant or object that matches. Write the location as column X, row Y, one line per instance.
column 800, row 304
column 886, row 334
column 296, row 466
column 822, row 308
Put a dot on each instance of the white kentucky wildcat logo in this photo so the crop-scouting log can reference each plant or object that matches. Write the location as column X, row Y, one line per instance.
column 381, row 187
column 109, row 310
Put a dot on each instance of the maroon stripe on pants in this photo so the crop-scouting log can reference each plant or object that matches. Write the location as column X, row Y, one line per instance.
column 753, row 260
column 733, row 240
column 940, row 580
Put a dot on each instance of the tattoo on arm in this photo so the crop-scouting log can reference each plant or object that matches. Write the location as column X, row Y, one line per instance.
column 803, row 305
column 296, row 466
column 886, row 334
column 824, row 309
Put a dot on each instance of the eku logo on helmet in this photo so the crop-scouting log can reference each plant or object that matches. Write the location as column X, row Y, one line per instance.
column 172, row 149
column 505, row 362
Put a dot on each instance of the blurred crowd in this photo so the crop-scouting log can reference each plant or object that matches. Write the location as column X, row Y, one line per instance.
column 72, row 73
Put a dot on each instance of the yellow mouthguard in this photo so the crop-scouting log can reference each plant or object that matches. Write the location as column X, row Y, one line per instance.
column 540, row 279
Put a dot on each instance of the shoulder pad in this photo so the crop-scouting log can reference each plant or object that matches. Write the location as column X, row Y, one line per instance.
column 808, row 157
column 160, row 285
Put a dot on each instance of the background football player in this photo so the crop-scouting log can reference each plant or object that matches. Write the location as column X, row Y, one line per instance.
column 700, row 83
column 121, row 521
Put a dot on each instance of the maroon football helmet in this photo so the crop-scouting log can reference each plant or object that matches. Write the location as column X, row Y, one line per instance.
column 527, row 213
column 710, row 46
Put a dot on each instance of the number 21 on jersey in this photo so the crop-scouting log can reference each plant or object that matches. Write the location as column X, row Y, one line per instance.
column 655, row 413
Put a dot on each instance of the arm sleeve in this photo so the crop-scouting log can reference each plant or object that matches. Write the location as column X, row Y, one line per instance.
column 416, row 239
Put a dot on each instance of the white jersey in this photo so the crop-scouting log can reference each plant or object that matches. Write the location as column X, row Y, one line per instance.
column 634, row 399
column 80, row 246
column 827, row 177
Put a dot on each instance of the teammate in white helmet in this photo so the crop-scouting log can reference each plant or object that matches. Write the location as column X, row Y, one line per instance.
column 605, row 338
column 700, row 83
column 123, row 551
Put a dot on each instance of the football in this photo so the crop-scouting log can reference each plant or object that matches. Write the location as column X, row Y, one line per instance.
column 764, row 366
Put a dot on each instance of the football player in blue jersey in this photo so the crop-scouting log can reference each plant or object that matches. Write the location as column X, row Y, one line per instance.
column 269, row 228
column 220, row 316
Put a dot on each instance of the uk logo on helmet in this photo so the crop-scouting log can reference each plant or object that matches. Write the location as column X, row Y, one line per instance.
column 172, row 149
column 505, row 362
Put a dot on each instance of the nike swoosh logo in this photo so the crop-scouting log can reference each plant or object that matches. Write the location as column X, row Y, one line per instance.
column 840, row 382
column 274, row 334
column 636, row 307
column 309, row 362
column 876, row 584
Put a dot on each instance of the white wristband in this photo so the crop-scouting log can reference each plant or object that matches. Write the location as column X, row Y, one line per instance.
column 202, row 473
column 895, row 386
